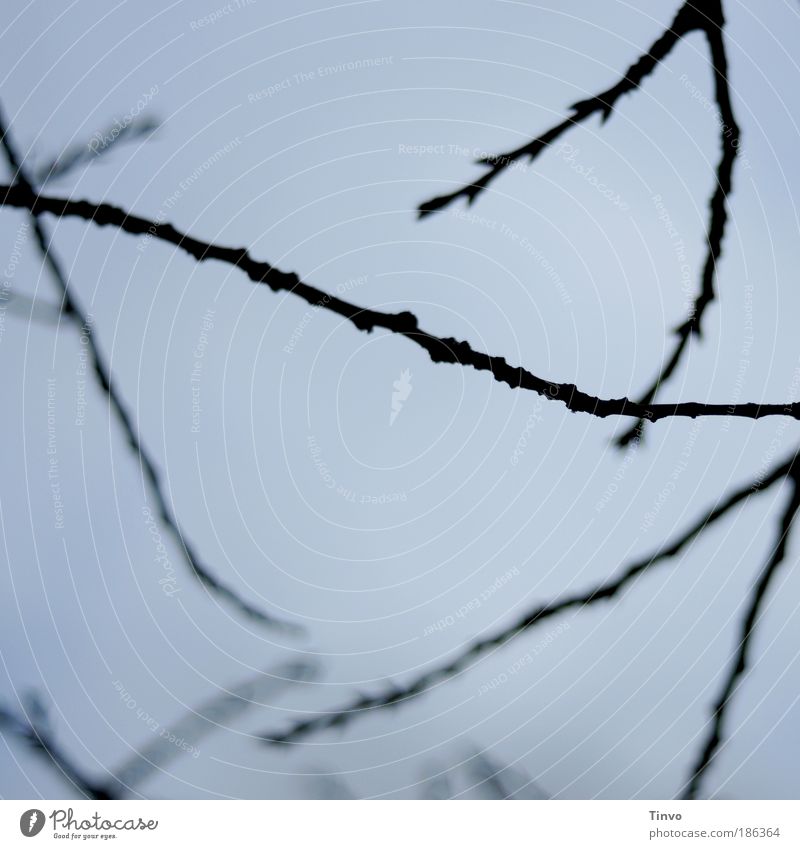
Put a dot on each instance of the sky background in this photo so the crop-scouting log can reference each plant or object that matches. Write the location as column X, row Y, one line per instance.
column 269, row 139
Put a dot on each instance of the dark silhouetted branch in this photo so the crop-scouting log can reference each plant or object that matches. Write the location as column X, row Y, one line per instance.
column 100, row 145
column 749, row 624
column 718, row 216
column 603, row 592
column 704, row 15
column 439, row 349
column 103, row 375
column 691, row 16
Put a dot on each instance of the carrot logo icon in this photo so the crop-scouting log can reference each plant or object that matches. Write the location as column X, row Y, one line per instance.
column 402, row 389
column 31, row 822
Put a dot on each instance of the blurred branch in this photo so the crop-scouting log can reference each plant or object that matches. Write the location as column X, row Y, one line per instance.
column 81, row 320
column 704, row 15
column 718, row 214
column 749, row 624
column 603, row 592
column 691, row 16
column 31, row 728
column 80, row 154
column 439, row 349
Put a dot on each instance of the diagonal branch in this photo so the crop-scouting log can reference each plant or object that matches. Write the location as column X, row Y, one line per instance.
column 103, row 375
column 718, row 217
column 215, row 712
column 605, row 591
column 691, row 16
column 440, row 349
column 749, row 624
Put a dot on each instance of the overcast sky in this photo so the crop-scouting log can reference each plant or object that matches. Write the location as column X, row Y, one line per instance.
column 310, row 133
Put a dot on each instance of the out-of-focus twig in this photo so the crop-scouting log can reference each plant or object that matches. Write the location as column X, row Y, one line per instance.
column 365, row 705
column 30, row 725
column 692, row 15
column 718, row 215
column 750, row 622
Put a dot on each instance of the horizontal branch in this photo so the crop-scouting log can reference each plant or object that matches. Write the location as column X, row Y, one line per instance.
column 439, row 349
column 359, row 707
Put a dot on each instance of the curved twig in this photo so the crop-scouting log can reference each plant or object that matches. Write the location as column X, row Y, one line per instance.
column 439, row 349
column 691, row 16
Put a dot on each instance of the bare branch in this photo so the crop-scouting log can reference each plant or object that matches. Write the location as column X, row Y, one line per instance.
column 85, row 153
column 603, row 592
column 691, row 16
column 749, row 624
column 31, row 728
column 439, row 349
column 103, row 375
column 718, row 216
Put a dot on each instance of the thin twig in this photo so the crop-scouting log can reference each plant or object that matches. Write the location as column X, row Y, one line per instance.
column 85, row 153
column 34, row 733
column 718, row 217
column 691, row 16
column 103, row 375
column 605, row 591
column 749, row 624
column 439, row 349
